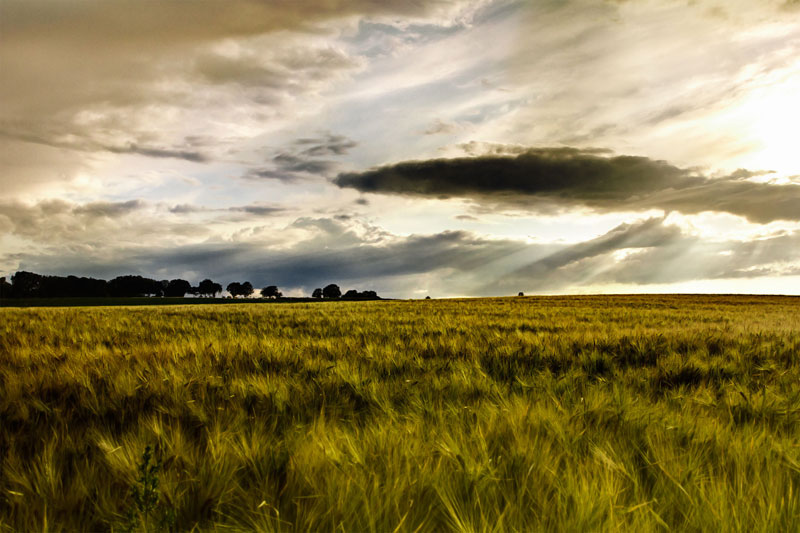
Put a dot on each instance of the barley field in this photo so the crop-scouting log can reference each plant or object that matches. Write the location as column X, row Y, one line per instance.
column 601, row 413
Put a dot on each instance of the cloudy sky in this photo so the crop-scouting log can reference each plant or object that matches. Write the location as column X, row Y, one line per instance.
column 442, row 147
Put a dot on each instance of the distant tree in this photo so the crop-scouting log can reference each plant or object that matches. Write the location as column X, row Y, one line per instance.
column 154, row 287
column 26, row 284
column 427, row 297
column 271, row 291
column 317, row 293
column 353, row 294
column 178, row 288
column 208, row 288
column 57, row 286
column 235, row 289
column 521, row 293
column 121, row 287
column 331, row 291
column 93, row 287
column 5, row 288
column 62, row 287
column 31, row 285
column 247, row 289
column 128, row 286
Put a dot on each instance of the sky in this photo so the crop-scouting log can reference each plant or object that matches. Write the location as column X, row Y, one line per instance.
column 443, row 148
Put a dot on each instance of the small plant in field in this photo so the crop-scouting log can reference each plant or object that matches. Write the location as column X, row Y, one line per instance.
column 146, row 513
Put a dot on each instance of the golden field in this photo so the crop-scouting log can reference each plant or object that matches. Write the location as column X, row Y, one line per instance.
column 596, row 413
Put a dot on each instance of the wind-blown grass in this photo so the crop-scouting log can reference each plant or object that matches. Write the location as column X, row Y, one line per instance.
column 573, row 414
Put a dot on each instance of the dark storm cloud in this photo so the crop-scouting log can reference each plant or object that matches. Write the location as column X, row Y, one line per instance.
column 565, row 177
column 453, row 262
column 412, row 255
column 304, row 265
column 561, row 172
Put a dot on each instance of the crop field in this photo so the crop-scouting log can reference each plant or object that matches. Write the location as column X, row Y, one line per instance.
column 602, row 413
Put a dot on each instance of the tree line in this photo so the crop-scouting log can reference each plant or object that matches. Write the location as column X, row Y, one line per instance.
column 30, row 285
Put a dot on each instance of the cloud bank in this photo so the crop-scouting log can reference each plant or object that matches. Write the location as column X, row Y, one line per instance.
column 543, row 178
column 307, row 252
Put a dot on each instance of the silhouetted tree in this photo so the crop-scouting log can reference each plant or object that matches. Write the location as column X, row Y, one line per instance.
column 57, row 286
column 178, row 288
column 5, row 288
column 521, row 293
column 72, row 286
column 235, row 288
column 208, row 288
column 317, row 293
column 427, row 297
column 331, row 291
column 88, row 287
column 96, row 287
column 240, row 289
column 127, row 286
column 26, row 284
column 353, row 294
column 247, row 289
column 153, row 287
column 271, row 291
column 31, row 285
